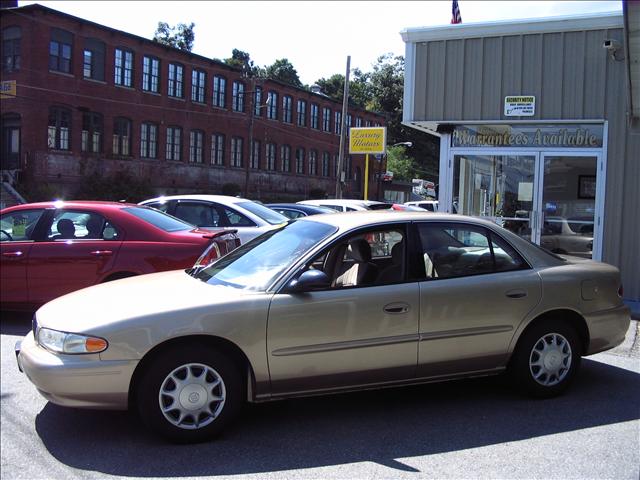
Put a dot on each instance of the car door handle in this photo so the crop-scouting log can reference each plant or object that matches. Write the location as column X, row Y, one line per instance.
column 101, row 253
column 17, row 254
column 516, row 293
column 396, row 308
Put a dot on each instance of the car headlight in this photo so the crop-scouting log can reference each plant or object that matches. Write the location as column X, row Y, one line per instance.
column 72, row 343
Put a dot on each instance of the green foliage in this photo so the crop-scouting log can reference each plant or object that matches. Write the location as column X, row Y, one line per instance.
column 119, row 186
column 359, row 89
column 242, row 60
column 402, row 166
column 283, row 71
column 181, row 36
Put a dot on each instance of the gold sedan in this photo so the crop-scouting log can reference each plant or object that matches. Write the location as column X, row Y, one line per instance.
column 325, row 304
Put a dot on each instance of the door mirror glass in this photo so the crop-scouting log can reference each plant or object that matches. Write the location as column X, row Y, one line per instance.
column 308, row 281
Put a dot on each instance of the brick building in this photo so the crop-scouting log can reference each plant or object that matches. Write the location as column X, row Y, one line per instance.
column 91, row 100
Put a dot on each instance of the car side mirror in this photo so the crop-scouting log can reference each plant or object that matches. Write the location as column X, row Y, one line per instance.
column 309, row 280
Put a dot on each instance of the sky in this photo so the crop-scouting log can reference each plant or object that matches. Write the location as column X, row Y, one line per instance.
column 315, row 36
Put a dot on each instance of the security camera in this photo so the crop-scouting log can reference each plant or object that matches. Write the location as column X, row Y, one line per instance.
column 611, row 44
column 614, row 47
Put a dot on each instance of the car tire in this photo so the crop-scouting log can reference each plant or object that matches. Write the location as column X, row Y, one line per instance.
column 189, row 394
column 546, row 359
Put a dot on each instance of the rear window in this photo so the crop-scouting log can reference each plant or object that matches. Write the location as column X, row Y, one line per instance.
column 268, row 215
column 159, row 219
column 379, row 206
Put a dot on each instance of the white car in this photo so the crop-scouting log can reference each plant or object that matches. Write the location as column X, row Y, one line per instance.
column 348, row 205
column 429, row 205
column 249, row 218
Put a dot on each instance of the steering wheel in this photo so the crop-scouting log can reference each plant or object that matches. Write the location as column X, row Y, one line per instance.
column 7, row 234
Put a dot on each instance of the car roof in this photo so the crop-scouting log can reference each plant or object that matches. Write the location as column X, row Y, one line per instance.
column 227, row 199
column 340, row 201
column 97, row 205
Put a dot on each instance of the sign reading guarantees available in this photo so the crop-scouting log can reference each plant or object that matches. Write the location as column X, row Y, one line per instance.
column 367, row 140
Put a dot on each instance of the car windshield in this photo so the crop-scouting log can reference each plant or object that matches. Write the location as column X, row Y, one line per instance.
column 256, row 264
column 268, row 215
column 159, row 219
column 379, row 206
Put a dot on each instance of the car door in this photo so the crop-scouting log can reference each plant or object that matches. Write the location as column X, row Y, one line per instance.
column 17, row 233
column 60, row 263
column 476, row 291
column 348, row 334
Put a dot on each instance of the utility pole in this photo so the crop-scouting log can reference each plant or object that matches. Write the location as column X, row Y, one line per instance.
column 343, row 134
column 252, row 96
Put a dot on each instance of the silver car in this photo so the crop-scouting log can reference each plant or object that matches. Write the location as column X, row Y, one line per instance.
column 328, row 303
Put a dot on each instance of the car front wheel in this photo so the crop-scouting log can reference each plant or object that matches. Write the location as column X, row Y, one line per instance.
column 546, row 359
column 189, row 394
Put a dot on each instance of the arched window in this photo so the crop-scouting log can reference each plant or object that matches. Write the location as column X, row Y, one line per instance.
column 59, row 129
column 122, row 136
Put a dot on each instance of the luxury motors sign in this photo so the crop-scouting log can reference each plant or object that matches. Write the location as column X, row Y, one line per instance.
column 528, row 136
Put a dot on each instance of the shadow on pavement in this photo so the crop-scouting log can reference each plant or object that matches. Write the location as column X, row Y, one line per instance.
column 15, row 323
column 376, row 426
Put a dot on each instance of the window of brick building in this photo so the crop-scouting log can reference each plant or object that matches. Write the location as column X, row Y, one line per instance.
column 313, row 162
column 196, row 146
column 338, row 123
column 217, row 149
column 198, row 86
column 358, row 122
column 11, row 38
column 175, row 81
column 59, row 130
column 271, row 156
column 123, row 73
column 60, row 48
column 348, row 168
column 287, row 106
column 326, row 159
column 336, row 158
column 326, row 119
column 93, row 59
column 236, row 152
column 257, row 102
column 92, row 130
column 348, row 123
column 299, row 160
column 367, row 123
column 255, row 154
column 219, row 89
column 121, row 136
column 315, row 113
column 151, row 74
column 149, row 140
column 272, row 105
column 301, row 113
column 174, row 144
column 237, row 100
column 285, row 158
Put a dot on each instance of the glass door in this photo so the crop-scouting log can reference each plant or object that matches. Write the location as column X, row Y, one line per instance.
column 568, row 203
column 500, row 187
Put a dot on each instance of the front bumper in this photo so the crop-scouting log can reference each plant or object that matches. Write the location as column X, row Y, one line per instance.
column 607, row 328
column 83, row 381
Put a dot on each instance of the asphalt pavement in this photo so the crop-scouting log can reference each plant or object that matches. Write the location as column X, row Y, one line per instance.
column 475, row 428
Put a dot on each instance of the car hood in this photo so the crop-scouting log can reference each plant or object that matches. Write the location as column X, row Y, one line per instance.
column 100, row 306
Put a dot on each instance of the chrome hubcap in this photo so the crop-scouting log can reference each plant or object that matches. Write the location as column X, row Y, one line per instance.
column 550, row 359
column 192, row 396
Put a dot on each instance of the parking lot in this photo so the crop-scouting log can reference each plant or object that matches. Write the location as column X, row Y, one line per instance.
column 467, row 429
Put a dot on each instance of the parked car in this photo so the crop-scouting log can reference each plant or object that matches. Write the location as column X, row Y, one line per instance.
column 348, row 205
column 324, row 304
column 568, row 236
column 429, row 205
column 402, row 207
column 297, row 210
column 249, row 218
column 52, row 248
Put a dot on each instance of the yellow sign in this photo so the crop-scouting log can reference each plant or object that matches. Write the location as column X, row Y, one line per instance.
column 8, row 89
column 367, row 140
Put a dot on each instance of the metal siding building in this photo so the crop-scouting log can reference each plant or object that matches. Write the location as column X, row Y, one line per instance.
column 457, row 79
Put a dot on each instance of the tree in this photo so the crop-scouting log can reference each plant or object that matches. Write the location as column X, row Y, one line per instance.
column 242, row 60
column 181, row 36
column 403, row 166
column 359, row 90
column 283, row 71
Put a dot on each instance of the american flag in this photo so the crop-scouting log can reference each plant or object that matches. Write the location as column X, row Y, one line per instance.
column 455, row 13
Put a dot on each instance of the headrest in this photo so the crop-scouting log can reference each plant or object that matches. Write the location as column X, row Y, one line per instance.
column 65, row 226
column 396, row 253
column 359, row 250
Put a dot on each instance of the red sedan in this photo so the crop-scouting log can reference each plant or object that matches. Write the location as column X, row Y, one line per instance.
column 52, row 248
